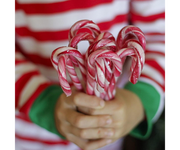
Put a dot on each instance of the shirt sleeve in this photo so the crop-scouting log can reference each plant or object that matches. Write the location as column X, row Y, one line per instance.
column 35, row 95
column 149, row 16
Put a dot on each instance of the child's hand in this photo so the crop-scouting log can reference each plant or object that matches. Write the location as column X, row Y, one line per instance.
column 78, row 127
column 102, row 124
column 126, row 111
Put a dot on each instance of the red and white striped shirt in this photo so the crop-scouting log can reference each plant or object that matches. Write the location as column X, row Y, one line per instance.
column 43, row 25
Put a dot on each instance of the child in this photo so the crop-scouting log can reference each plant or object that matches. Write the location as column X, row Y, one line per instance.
column 48, row 120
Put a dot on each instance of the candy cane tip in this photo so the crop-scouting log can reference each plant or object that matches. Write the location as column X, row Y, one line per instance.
column 67, row 95
column 134, row 80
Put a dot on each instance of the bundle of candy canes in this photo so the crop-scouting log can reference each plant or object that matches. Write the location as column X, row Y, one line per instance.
column 103, row 61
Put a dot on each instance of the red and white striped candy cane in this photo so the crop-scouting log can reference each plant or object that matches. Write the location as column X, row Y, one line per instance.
column 130, row 32
column 84, row 24
column 76, row 39
column 124, row 43
column 104, row 39
column 61, row 61
column 104, row 58
column 108, row 65
column 108, row 43
column 105, row 35
column 80, row 37
column 133, row 49
column 132, row 36
column 105, row 63
column 94, row 64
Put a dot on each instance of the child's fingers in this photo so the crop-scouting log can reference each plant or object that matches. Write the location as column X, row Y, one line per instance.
column 89, row 101
column 76, row 140
column 110, row 108
column 80, row 120
column 86, row 144
column 83, row 100
column 93, row 133
column 95, row 144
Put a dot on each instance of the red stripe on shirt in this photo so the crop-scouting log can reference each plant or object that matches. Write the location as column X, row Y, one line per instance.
column 43, row 35
column 154, row 33
column 37, row 59
column 18, row 86
column 154, row 52
column 136, row 17
column 59, row 7
column 16, row 62
column 156, row 41
column 108, row 24
column 26, row 107
column 30, row 139
column 24, row 118
column 156, row 66
column 63, row 35
column 161, row 86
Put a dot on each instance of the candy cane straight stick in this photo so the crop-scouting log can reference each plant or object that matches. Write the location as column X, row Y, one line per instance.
column 61, row 61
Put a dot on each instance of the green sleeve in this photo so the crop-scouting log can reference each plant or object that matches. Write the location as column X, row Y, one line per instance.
column 150, row 99
column 42, row 110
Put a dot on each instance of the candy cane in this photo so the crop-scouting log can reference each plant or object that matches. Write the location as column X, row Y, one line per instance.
column 105, row 39
column 132, row 36
column 125, row 41
column 61, row 61
column 80, row 37
column 108, row 43
column 104, row 58
column 136, row 52
column 84, row 24
column 92, row 69
column 130, row 32
column 76, row 39
column 103, row 65
column 105, row 35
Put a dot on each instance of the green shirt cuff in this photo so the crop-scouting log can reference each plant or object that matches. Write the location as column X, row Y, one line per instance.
column 150, row 99
column 42, row 110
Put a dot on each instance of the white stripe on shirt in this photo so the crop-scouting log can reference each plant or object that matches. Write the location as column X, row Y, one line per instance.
column 30, row 88
column 54, row 22
column 154, row 26
column 147, row 8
